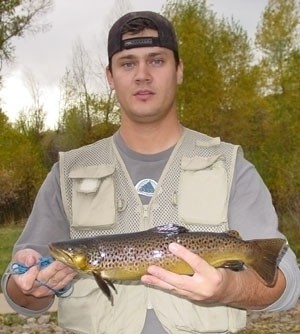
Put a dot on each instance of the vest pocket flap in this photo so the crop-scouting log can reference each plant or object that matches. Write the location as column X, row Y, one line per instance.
column 197, row 163
column 92, row 172
column 93, row 196
column 90, row 177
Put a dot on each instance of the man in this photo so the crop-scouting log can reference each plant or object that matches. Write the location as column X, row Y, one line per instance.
column 152, row 171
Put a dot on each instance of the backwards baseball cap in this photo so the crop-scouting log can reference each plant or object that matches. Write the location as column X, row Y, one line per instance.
column 166, row 33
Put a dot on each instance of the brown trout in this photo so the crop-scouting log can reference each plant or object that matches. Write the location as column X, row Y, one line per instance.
column 123, row 257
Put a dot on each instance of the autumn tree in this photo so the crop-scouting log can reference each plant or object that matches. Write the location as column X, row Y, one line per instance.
column 219, row 95
column 277, row 37
column 229, row 92
column 278, row 41
column 21, row 172
column 8, row 184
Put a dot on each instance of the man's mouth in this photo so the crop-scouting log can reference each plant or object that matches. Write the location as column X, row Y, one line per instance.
column 143, row 94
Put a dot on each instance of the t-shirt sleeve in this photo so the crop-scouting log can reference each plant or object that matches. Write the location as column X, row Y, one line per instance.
column 48, row 221
column 252, row 214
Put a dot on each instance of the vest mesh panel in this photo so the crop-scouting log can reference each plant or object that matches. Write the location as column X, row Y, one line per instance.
column 162, row 207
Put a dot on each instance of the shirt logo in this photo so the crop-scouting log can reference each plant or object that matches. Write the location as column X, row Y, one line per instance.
column 146, row 187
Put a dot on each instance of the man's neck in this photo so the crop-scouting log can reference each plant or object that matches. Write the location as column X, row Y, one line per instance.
column 150, row 138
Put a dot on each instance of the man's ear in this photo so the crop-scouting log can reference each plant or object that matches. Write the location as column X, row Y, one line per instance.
column 109, row 78
column 180, row 73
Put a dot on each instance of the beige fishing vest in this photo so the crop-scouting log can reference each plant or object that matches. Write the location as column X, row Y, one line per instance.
column 100, row 198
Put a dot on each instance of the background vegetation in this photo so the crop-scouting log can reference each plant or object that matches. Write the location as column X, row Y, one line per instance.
column 8, row 236
column 245, row 91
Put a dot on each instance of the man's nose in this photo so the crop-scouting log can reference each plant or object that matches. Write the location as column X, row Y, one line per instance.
column 143, row 72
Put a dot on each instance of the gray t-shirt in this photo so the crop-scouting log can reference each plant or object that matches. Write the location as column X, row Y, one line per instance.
column 251, row 213
column 144, row 169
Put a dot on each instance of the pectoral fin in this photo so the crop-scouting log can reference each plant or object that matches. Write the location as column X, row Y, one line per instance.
column 233, row 265
column 104, row 286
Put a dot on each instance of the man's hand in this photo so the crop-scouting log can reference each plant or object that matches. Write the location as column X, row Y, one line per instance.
column 27, row 289
column 203, row 286
column 221, row 286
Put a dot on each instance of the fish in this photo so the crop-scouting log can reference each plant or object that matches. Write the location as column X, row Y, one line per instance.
column 125, row 257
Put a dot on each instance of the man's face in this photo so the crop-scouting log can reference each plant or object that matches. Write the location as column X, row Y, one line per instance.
column 145, row 80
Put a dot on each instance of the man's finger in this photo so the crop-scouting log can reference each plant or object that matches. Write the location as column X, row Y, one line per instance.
column 194, row 260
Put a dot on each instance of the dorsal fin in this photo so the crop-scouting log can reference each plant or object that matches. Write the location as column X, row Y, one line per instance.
column 169, row 229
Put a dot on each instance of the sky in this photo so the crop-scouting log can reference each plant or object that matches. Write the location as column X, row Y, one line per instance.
column 43, row 58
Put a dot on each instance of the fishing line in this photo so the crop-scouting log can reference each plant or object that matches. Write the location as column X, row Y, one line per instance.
column 20, row 268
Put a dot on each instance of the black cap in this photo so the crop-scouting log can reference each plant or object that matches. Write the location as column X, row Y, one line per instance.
column 166, row 33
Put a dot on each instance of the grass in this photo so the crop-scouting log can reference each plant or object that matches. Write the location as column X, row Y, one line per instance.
column 8, row 236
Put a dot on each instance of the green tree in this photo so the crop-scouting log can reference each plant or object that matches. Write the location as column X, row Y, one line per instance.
column 21, row 172
column 278, row 40
column 277, row 36
column 194, row 25
column 219, row 94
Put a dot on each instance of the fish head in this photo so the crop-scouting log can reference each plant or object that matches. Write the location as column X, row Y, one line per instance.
column 73, row 256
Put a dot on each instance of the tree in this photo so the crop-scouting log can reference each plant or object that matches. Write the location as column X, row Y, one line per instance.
column 277, row 36
column 253, row 104
column 84, row 108
column 278, row 40
column 219, row 94
column 194, row 24
column 17, row 17
column 21, row 172
column 31, row 121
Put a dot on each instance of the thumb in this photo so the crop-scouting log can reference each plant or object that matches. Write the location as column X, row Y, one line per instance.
column 30, row 260
column 28, row 257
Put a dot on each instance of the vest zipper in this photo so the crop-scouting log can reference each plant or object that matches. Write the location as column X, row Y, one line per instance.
column 145, row 220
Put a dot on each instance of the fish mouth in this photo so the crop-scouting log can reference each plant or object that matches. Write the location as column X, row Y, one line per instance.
column 61, row 255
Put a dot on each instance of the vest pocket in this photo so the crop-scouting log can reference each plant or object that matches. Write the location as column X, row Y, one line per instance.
column 202, row 195
column 93, row 199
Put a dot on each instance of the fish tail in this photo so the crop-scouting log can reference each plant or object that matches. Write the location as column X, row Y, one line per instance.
column 267, row 255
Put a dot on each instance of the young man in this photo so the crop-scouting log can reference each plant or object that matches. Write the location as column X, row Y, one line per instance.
column 152, row 171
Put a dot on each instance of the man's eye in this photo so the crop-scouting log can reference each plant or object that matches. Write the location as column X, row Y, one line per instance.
column 128, row 65
column 157, row 62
